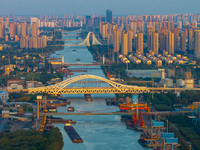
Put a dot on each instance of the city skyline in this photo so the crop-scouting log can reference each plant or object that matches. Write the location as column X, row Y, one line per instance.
column 88, row 7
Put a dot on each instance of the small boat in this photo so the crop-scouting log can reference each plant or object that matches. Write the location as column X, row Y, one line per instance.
column 77, row 59
column 57, row 54
column 70, row 109
column 143, row 142
column 53, row 109
column 73, row 135
column 73, row 50
column 88, row 97
column 49, row 126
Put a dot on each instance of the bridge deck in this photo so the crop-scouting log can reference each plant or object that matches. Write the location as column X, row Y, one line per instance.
column 74, row 64
column 101, row 90
column 120, row 113
column 69, row 40
column 67, row 45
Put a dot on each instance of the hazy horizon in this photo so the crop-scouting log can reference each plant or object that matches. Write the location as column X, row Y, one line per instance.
column 98, row 7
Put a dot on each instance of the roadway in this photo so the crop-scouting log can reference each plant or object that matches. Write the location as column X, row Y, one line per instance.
column 120, row 113
column 102, row 90
column 74, row 64
column 67, row 45
column 70, row 34
column 68, row 39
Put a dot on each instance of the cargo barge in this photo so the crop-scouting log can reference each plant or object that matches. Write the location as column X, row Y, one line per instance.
column 52, row 119
column 73, row 135
column 58, row 104
column 62, row 121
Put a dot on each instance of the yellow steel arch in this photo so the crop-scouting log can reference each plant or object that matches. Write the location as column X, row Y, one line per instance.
column 61, row 87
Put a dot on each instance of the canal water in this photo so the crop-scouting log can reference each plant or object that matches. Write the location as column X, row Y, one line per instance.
column 97, row 132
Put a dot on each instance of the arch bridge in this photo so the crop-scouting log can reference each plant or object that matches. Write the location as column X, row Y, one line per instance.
column 85, row 42
column 74, row 86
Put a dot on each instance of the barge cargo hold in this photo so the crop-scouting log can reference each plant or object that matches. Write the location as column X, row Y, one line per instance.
column 73, row 135
column 57, row 104
column 62, row 121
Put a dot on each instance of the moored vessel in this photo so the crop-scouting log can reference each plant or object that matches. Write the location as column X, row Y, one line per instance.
column 70, row 109
column 73, row 135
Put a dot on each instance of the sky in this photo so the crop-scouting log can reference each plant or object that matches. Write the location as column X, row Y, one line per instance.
column 98, row 7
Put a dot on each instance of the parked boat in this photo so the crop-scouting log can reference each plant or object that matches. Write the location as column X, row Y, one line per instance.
column 143, row 142
column 73, row 135
column 70, row 109
column 53, row 109
column 88, row 97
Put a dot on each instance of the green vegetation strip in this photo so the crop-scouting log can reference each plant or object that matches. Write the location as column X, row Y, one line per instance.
column 187, row 129
column 32, row 140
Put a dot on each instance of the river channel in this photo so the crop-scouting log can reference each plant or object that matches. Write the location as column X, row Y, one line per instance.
column 97, row 132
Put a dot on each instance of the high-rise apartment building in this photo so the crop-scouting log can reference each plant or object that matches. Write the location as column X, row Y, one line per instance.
column 183, row 41
column 26, row 44
column 33, row 42
column 170, row 43
column 23, row 29
column 96, row 21
column 114, row 26
column 6, row 22
column 149, row 38
column 104, row 30
column 124, row 49
column 13, row 29
column 34, row 29
column 170, row 26
column 133, row 26
column 18, row 29
column 116, row 42
column 190, row 39
column 88, row 21
column 176, row 39
column 162, row 37
column 130, row 41
column 197, row 43
column 2, row 30
column 1, row 19
column 22, row 42
column 140, row 41
column 109, row 16
column 35, row 19
column 30, row 42
column 155, row 42
column 140, row 25
column 44, row 41
column 39, row 42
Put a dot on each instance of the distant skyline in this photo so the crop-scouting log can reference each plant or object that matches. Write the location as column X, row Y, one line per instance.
column 98, row 7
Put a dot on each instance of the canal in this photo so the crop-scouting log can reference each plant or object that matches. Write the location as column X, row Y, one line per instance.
column 97, row 132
